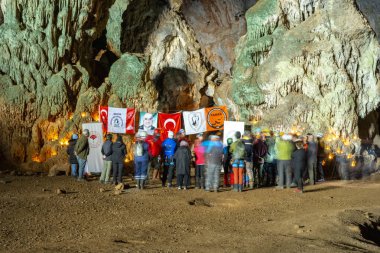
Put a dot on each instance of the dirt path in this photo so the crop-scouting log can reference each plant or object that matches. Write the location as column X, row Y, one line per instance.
column 329, row 217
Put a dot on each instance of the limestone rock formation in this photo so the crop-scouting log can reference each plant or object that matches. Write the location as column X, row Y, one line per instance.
column 302, row 64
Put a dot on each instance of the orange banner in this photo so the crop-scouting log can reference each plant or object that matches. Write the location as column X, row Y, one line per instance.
column 215, row 117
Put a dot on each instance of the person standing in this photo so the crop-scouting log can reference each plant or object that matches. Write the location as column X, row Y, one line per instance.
column 299, row 164
column 321, row 156
column 182, row 159
column 284, row 149
column 260, row 150
column 107, row 160
column 270, row 160
column 82, row 149
column 214, row 154
column 72, row 157
column 227, row 156
column 141, row 158
column 248, row 144
column 199, row 151
column 118, row 155
column 238, row 154
column 168, row 147
column 154, row 150
column 311, row 154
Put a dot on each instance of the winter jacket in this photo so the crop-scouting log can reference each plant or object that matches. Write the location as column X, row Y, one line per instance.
column 145, row 152
column 154, row 146
column 248, row 144
column 199, row 151
column 70, row 151
column 271, row 154
column 182, row 160
column 260, row 150
column 118, row 152
column 107, row 150
column 214, row 153
column 283, row 150
column 299, row 159
column 82, row 147
column 312, row 151
column 169, row 146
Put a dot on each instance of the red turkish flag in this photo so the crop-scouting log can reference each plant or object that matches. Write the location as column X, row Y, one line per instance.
column 103, row 117
column 169, row 122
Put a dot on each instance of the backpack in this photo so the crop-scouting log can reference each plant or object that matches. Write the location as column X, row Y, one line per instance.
column 239, row 152
column 139, row 149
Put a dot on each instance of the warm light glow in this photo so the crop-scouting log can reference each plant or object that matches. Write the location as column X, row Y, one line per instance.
column 36, row 158
column 83, row 114
column 53, row 153
column 95, row 117
column 331, row 156
column 126, row 160
column 64, row 142
column 353, row 163
column 71, row 115
column 323, row 162
column 349, row 156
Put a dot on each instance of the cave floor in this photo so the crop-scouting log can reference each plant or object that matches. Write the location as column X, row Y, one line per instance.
column 333, row 216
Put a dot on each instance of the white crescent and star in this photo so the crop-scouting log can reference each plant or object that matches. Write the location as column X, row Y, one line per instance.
column 168, row 121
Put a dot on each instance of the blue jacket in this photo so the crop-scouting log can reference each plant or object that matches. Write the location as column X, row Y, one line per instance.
column 169, row 146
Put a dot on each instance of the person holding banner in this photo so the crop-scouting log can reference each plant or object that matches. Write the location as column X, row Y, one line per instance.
column 118, row 155
column 82, row 149
column 168, row 147
column 238, row 153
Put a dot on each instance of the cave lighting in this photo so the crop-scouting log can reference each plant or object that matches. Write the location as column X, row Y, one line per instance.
column 36, row 158
column 83, row 114
column 95, row 117
column 349, row 156
column 323, row 162
column 331, row 156
column 64, row 142
column 353, row 163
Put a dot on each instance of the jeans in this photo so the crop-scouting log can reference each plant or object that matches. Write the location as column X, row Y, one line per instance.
column 283, row 167
column 213, row 172
column 258, row 173
column 298, row 172
column 105, row 176
column 311, row 168
column 200, row 176
column 118, row 172
column 141, row 169
column 82, row 165
column 269, row 169
column 168, row 173
column 74, row 167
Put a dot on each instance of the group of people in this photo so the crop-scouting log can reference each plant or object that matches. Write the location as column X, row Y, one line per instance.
column 249, row 161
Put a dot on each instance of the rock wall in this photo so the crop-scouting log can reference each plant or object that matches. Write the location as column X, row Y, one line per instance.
column 302, row 64
column 295, row 63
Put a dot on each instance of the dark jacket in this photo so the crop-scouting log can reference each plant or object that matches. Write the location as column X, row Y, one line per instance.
column 312, row 151
column 248, row 144
column 70, row 151
column 299, row 159
column 182, row 160
column 82, row 148
column 118, row 152
column 260, row 150
column 107, row 150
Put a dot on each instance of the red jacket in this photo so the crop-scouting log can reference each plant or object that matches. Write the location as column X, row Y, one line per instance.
column 154, row 145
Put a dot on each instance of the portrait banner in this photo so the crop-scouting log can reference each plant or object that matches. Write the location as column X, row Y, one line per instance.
column 95, row 140
column 194, row 121
column 215, row 117
column 148, row 122
column 230, row 128
column 169, row 122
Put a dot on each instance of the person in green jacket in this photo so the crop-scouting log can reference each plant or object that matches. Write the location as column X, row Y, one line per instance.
column 82, row 149
column 284, row 149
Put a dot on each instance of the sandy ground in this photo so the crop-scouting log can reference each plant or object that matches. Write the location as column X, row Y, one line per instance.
column 334, row 216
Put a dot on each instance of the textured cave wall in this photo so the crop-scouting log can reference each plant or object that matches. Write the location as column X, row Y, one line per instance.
column 304, row 63
column 218, row 25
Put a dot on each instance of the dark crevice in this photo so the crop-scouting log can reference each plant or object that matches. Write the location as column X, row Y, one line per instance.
column 139, row 22
column 370, row 231
column 102, row 60
column 1, row 16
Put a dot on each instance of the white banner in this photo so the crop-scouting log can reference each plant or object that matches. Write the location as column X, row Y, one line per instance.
column 195, row 121
column 117, row 118
column 95, row 140
column 230, row 128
